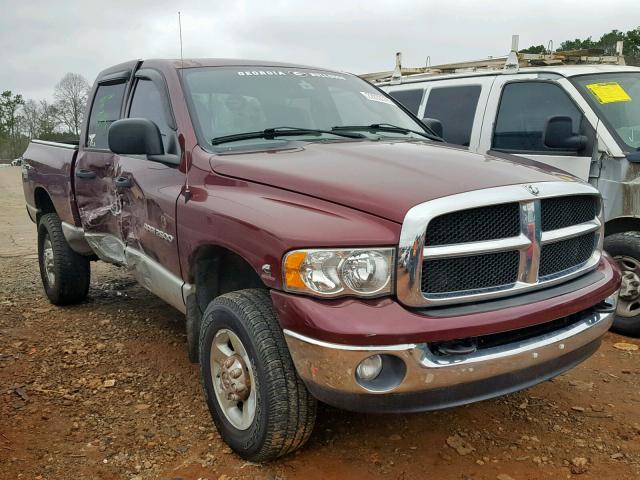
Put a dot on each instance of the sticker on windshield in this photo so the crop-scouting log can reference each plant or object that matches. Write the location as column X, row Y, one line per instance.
column 609, row 92
column 283, row 73
column 376, row 97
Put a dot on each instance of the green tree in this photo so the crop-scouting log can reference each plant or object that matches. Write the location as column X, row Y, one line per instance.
column 10, row 137
column 535, row 49
column 607, row 43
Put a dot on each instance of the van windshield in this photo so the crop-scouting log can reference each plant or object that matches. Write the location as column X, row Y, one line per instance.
column 616, row 99
column 232, row 101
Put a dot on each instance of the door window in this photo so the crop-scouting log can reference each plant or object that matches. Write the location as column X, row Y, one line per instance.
column 104, row 111
column 455, row 108
column 411, row 99
column 525, row 108
column 148, row 103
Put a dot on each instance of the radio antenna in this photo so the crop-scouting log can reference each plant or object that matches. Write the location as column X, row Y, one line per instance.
column 180, row 29
column 181, row 140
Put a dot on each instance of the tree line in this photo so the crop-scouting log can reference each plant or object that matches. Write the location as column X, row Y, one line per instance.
column 606, row 43
column 23, row 119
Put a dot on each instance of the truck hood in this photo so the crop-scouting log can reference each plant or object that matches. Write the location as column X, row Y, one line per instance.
column 385, row 178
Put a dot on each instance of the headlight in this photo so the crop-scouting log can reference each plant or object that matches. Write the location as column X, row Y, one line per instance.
column 362, row 272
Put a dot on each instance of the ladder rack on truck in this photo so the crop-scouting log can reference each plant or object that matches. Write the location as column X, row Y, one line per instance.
column 512, row 62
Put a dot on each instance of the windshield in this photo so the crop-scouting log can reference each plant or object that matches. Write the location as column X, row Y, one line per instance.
column 236, row 100
column 616, row 99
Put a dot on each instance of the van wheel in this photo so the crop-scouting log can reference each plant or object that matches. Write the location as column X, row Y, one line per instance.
column 258, row 403
column 65, row 273
column 625, row 248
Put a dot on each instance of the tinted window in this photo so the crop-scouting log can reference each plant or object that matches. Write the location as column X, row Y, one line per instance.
column 104, row 111
column 455, row 107
column 524, row 110
column 148, row 103
column 411, row 99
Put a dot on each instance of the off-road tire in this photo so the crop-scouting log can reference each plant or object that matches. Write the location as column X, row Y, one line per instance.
column 625, row 244
column 285, row 410
column 72, row 271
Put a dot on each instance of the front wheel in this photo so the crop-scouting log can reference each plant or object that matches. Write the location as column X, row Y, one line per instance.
column 258, row 402
column 625, row 248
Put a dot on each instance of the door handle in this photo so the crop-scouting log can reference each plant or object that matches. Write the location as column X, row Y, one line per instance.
column 84, row 173
column 123, row 182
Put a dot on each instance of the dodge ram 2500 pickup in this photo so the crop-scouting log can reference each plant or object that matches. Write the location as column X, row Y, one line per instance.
column 321, row 242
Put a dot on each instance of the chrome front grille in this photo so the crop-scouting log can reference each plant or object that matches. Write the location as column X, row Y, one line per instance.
column 563, row 255
column 566, row 211
column 475, row 225
column 498, row 242
column 469, row 273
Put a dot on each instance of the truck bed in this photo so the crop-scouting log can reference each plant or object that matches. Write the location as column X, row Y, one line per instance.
column 47, row 168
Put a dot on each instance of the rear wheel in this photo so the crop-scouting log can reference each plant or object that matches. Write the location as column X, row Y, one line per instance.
column 65, row 274
column 625, row 248
column 259, row 404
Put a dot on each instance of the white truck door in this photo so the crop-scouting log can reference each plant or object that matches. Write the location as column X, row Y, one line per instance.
column 519, row 111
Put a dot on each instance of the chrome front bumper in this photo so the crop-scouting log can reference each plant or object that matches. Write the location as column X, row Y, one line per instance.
column 329, row 369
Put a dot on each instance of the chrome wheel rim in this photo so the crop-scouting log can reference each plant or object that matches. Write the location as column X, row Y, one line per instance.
column 629, row 298
column 47, row 260
column 233, row 379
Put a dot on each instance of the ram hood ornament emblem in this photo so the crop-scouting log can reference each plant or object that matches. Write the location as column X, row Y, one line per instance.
column 532, row 189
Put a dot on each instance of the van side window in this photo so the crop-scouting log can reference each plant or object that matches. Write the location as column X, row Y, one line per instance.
column 411, row 99
column 104, row 111
column 148, row 103
column 524, row 110
column 455, row 107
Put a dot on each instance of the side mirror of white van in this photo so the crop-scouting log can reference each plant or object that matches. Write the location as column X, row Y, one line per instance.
column 434, row 125
column 558, row 133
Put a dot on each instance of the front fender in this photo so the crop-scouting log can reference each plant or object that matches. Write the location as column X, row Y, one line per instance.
column 261, row 223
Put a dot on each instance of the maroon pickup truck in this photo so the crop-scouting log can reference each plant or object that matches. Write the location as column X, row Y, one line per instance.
column 323, row 244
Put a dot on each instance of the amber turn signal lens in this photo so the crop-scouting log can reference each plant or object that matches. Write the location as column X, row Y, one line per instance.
column 292, row 270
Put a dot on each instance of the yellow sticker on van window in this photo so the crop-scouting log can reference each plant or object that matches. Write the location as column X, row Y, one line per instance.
column 609, row 92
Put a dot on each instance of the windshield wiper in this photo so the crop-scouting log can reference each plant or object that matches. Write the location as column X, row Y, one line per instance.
column 271, row 133
column 386, row 127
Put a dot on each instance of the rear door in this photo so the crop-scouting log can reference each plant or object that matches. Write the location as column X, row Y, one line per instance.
column 457, row 103
column 517, row 114
column 98, row 201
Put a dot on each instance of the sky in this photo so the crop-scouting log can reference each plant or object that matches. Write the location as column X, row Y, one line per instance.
column 41, row 41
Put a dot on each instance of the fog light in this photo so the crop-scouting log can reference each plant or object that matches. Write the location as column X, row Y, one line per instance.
column 369, row 368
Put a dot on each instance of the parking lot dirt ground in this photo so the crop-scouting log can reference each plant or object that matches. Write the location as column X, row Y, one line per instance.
column 104, row 390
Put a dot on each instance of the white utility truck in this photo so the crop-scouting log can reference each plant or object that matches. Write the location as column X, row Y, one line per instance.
column 577, row 111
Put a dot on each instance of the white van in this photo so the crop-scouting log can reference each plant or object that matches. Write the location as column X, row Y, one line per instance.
column 583, row 119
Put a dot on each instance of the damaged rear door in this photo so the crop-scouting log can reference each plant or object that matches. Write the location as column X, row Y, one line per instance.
column 97, row 198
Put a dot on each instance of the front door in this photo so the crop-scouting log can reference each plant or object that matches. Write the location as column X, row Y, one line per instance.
column 517, row 116
column 96, row 196
column 149, row 191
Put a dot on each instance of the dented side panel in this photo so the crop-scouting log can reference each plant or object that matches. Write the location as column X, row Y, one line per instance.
column 99, row 204
column 619, row 184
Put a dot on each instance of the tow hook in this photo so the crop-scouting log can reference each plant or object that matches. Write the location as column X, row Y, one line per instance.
column 608, row 305
column 457, row 347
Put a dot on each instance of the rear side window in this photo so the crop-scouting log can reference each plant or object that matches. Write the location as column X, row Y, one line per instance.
column 411, row 99
column 524, row 110
column 104, row 111
column 455, row 107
